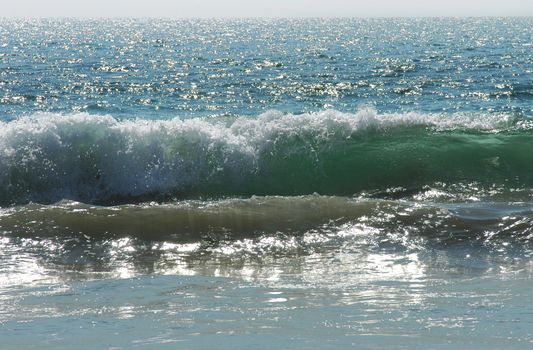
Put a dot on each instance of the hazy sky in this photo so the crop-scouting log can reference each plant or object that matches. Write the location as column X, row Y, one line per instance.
column 263, row 8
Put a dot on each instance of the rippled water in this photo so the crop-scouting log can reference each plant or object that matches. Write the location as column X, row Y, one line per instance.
column 161, row 69
column 266, row 184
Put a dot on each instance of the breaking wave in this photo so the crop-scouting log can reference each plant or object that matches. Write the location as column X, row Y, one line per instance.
column 99, row 159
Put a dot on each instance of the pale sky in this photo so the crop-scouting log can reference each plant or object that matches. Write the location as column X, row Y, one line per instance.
column 263, row 8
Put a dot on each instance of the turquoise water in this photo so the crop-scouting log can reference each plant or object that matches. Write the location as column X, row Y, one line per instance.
column 320, row 183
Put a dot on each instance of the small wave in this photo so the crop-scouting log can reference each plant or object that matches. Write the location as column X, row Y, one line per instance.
column 99, row 159
column 234, row 219
column 186, row 220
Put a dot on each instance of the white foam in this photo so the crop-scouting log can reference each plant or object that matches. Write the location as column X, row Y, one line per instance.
column 90, row 156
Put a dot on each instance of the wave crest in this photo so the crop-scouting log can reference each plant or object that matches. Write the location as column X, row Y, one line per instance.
column 100, row 159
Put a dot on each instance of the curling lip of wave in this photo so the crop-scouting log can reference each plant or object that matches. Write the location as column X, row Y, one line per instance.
column 99, row 159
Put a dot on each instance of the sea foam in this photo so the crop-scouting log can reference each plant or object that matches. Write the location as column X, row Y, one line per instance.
column 95, row 158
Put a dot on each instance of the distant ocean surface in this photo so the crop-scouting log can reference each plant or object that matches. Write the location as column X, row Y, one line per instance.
column 266, row 184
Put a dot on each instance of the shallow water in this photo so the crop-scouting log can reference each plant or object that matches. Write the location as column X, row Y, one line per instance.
column 266, row 184
column 268, row 272
column 194, row 312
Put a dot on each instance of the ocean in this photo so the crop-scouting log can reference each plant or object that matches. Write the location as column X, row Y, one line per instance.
column 266, row 183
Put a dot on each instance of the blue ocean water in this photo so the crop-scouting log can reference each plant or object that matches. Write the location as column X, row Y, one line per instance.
column 283, row 183
column 156, row 69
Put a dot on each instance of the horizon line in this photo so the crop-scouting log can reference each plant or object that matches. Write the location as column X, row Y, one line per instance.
column 264, row 17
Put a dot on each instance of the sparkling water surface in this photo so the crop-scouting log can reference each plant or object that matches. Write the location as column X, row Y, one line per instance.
column 259, row 184
column 163, row 69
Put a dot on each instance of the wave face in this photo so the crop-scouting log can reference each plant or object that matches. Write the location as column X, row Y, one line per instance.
column 98, row 159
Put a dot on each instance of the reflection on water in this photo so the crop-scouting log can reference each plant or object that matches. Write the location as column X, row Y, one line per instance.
column 340, row 257
column 333, row 298
column 375, row 241
column 394, row 273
